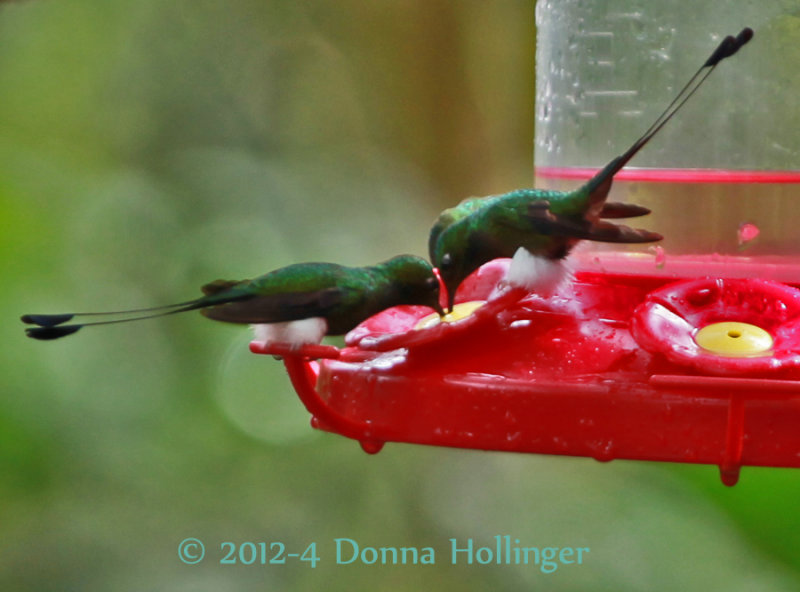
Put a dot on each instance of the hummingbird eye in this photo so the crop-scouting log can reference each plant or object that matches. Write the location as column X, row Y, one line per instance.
column 432, row 283
column 447, row 260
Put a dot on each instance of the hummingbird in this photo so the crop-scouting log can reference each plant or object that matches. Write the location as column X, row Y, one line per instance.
column 296, row 305
column 547, row 224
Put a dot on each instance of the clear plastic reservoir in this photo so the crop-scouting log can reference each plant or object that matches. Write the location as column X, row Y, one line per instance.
column 723, row 176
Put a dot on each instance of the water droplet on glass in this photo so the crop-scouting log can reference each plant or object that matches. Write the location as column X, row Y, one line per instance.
column 747, row 232
column 660, row 256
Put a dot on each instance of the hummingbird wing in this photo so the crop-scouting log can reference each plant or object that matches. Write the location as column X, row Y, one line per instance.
column 606, row 232
column 615, row 209
column 543, row 221
column 278, row 307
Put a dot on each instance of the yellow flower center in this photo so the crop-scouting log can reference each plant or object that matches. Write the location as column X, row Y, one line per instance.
column 733, row 339
column 460, row 311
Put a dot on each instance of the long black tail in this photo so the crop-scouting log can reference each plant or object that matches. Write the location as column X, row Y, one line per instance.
column 727, row 48
column 51, row 326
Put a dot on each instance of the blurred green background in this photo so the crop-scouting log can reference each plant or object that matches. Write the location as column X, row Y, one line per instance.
column 147, row 147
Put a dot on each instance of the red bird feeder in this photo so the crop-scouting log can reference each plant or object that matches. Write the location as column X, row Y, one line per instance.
column 618, row 365
column 689, row 353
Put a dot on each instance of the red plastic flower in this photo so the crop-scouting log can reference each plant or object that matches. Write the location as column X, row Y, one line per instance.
column 398, row 327
column 672, row 321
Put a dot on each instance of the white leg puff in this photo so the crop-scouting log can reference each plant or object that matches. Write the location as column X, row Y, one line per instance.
column 295, row 333
column 537, row 274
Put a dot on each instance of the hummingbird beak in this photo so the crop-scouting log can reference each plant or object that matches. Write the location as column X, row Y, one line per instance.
column 451, row 296
column 437, row 305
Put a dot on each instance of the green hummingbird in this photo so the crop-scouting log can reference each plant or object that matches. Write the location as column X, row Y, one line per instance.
column 295, row 305
column 547, row 224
